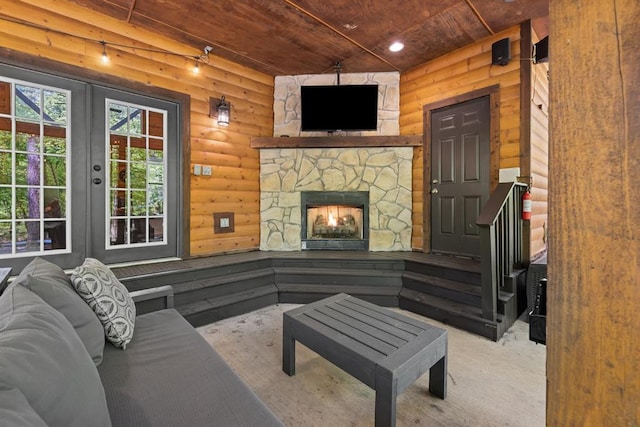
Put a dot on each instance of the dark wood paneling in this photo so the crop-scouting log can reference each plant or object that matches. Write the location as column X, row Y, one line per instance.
column 292, row 37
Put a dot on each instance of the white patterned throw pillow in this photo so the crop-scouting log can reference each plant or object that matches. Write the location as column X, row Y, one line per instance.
column 108, row 298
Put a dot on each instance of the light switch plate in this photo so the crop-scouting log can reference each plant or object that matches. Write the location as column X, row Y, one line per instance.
column 197, row 169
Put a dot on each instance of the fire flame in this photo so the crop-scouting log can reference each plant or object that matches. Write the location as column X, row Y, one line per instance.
column 332, row 221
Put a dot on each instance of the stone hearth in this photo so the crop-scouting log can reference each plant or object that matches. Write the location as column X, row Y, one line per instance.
column 385, row 172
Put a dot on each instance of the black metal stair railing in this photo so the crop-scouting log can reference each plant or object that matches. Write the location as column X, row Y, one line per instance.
column 504, row 243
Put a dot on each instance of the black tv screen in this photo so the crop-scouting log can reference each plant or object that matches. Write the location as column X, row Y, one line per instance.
column 335, row 108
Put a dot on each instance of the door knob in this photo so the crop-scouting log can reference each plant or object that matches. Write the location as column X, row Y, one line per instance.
column 434, row 191
column 97, row 181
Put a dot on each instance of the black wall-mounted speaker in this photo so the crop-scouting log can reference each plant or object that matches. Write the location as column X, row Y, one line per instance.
column 541, row 52
column 501, row 52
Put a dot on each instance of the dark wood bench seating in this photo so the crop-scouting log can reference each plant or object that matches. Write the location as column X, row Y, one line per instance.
column 213, row 288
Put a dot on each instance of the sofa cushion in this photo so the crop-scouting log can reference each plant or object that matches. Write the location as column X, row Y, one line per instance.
column 42, row 356
column 15, row 411
column 50, row 283
column 171, row 376
column 108, row 298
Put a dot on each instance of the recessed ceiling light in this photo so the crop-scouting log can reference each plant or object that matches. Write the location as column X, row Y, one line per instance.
column 396, row 46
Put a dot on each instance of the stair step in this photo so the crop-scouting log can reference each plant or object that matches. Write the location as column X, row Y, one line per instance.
column 217, row 286
column 335, row 276
column 210, row 310
column 448, row 289
column 446, row 311
column 459, row 270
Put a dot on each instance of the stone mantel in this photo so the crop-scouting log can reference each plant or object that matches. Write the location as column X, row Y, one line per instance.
column 341, row 141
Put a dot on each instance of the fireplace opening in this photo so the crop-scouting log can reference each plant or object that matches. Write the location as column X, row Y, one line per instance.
column 335, row 220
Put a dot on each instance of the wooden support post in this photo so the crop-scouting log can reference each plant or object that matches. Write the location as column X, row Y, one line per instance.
column 593, row 350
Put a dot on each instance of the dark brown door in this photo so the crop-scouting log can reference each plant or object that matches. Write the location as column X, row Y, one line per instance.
column 460, row 158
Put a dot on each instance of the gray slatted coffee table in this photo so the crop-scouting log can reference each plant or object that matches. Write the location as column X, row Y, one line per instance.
column 385, row 350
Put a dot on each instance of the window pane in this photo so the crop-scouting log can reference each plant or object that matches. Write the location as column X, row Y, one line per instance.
column 55, row 107
column 55, row 171
column 27, row 169
column 156, row 124
column 28, row 236
column 118, row 122
column 138, row 176
column 55, row 145
column 29, row 141
column 138, row 203
column 5, row 98
column 5, row 168
column 27, row 203
column 55, row 203
column 155, row 150
column 118, row 231
column 55, row 235
column 118, row 147
column 118, row 174
column 5, row 238
column 138, row 149
column 5, row 134
column 28, row 102
column 138, row 230
column 118, row 203
column 156, row 230
column 135, row 121
column 156, row 201
column 156, row 174
column 5, row 203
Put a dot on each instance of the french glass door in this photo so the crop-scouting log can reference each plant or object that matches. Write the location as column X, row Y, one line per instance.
column 85, row 171
column 134, row 176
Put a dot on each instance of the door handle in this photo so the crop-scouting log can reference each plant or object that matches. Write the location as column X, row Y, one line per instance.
column 434, row 191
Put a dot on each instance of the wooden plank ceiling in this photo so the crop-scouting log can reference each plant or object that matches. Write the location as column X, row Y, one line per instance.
column 291, row 37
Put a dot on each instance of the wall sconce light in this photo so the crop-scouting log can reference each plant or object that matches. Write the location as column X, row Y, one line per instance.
column 220, row 110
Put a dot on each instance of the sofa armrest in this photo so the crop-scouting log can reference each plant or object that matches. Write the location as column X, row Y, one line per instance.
column 165, row 292
column 4, row 278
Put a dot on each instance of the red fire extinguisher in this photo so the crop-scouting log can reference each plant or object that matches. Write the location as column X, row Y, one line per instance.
column 526, row 206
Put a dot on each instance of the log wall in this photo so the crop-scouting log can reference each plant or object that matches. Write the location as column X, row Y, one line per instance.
column 234, row 183
column 466, row 70
column 539, row 155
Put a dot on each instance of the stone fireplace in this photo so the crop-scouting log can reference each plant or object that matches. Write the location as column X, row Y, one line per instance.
column 384, row 173
column 289, row 175
column 335, row 220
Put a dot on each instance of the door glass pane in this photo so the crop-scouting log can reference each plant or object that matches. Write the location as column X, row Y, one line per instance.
column 33, row 172
column 6, row 133
column 136, row 174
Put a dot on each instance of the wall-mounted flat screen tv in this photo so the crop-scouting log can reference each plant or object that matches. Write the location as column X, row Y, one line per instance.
column 339, row 108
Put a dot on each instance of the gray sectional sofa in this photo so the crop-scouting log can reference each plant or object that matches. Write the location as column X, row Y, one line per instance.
column 57, row 370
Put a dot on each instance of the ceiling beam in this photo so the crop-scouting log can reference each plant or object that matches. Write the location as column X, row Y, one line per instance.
column 133, row 5
column 473, row 8
column 341, row 34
